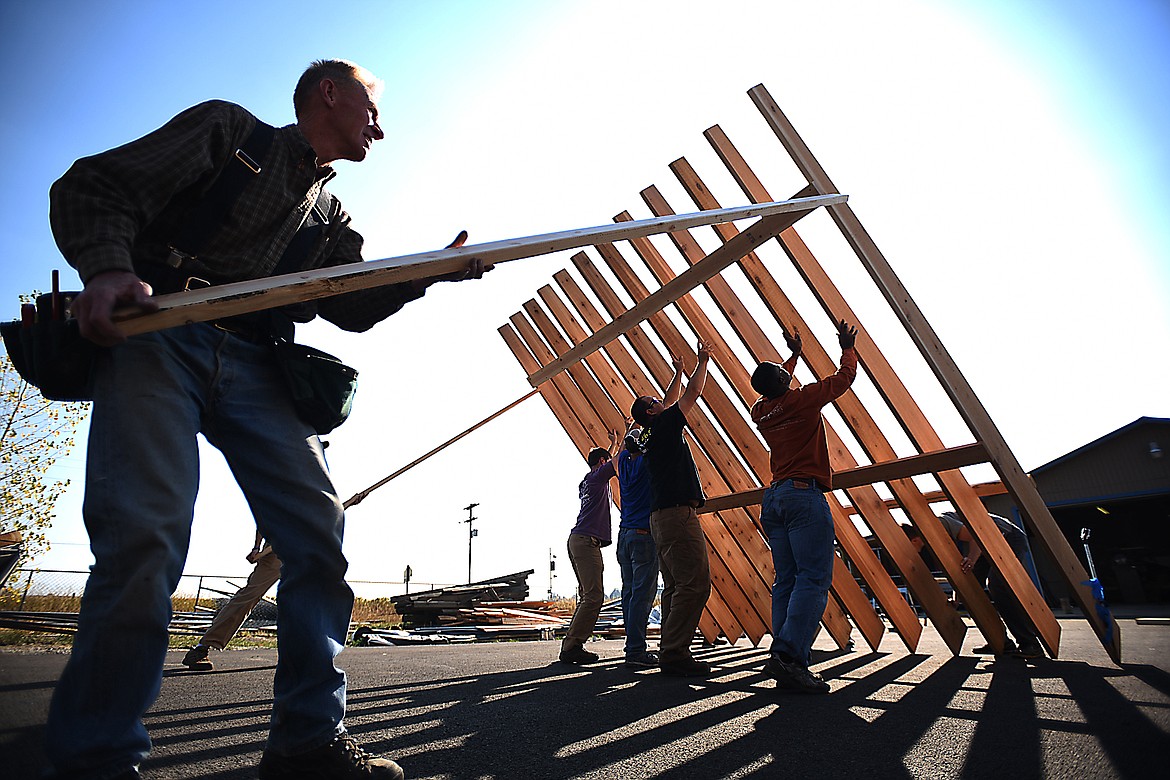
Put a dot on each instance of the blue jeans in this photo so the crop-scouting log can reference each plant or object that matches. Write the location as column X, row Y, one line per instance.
column 800, row 533
column 1015, row 617
column 152, row 396
column 638, row 558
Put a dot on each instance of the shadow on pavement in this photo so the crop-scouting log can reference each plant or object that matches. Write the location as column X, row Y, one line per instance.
column 506, row 711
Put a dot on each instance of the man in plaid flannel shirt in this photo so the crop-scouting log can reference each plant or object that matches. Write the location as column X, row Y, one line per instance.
column 114, row 215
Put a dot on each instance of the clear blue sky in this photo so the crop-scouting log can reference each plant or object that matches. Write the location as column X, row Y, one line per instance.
column 1010, row 158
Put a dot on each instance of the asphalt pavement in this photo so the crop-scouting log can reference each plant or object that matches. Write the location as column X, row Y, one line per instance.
column 510, row 710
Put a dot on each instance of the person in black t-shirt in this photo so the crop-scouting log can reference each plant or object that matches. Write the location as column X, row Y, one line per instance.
column 674, row 521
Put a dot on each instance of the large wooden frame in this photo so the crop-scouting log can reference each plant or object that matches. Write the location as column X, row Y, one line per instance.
column 590, row 365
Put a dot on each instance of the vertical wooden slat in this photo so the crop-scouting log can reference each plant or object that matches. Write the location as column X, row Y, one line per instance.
column 613, row 383
column 580, row 407
column 853, row 601
column 755, row 235
column 911, row 417
column 836, row 623
column 918, row 576
column 549, row 391
column 729, row 578
column 723, row 410
column 862, row 425
column 721, row 539
column 602, row 405
column 594, row 427
column 713, row 475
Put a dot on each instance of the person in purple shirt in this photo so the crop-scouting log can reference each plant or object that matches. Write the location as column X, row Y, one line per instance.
column 589, row 535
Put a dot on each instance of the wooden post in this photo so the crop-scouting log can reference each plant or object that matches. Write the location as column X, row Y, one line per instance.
column 967, row 403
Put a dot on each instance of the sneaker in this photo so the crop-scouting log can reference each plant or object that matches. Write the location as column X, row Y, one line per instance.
column 793, row 676
column 687, row 667
column 1009, row 648
column 196, row 658
column 644, row 660
column 579, row 655
column 1029, row 650
column 341, row 758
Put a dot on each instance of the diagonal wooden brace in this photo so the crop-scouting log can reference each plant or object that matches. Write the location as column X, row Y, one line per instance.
column 713, row 264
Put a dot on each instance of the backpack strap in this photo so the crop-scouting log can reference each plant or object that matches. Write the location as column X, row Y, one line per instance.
column 212, row 209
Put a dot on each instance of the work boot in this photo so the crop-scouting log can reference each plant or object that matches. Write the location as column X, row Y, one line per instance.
column 794, row 676
column 1009, row 648
column 579, row 655
column 643, row 660
column 196, row 658
column 341, row 758
column 685, row 667
column 1029, row 650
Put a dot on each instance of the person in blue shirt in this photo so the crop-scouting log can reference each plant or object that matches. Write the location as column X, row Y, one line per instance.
column 636, row 552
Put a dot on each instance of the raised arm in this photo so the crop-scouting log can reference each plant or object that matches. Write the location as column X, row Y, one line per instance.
column 794, row 346
column 697, row 381
column 674, row 389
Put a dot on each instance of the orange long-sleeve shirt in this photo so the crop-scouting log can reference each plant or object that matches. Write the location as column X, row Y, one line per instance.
column 793, row 428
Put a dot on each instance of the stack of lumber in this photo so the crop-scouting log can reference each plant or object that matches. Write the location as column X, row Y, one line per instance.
column 448, row 606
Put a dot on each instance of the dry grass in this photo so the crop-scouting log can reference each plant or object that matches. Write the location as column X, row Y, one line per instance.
column 378, row 612
column 375, row 611
column 10, row 601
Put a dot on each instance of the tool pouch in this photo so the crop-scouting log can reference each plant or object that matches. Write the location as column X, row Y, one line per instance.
column 322, row 386
column 50, row 354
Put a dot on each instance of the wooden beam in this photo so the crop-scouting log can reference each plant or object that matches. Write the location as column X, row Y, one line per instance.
column 859, row 420
column 876, row 514
column 357, row 498
column 726, row 615
column 982, row 489
column 969, row 406
column 723, row 411
column 550, row 392
column 727, row 254
column 717, row 467
column 602, row 405
column 856, row 603
column 738, row 432
column 912, row 465
column 253, row 295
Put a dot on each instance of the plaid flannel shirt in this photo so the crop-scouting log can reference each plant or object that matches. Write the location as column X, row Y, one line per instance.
column 120, row 209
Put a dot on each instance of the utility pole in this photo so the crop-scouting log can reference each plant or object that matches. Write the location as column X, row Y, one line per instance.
column 471, row 534
column 552, row 567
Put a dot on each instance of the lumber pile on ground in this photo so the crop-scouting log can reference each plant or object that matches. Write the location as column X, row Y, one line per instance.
column 443, row 606
column 490, row 610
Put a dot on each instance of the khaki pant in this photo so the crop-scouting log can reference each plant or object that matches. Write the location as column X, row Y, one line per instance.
column 686, row 578
column 585, row 555
column 233, row 614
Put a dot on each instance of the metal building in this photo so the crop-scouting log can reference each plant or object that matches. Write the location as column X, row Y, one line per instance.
column 1118, row 488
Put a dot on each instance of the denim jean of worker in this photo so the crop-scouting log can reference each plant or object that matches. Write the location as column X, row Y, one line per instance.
column 152, row 395
column 1015, row 617
column 638, row 558
column 800, row 533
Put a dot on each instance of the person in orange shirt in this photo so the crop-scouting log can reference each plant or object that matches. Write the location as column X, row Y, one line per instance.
column 795, row 514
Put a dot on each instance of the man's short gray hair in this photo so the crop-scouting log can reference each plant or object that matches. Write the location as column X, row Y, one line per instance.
column 338, row 70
